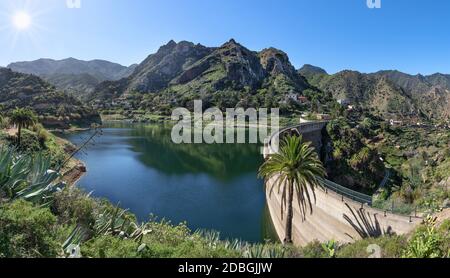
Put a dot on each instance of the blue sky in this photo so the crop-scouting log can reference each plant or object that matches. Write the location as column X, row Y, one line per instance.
column 408, row 35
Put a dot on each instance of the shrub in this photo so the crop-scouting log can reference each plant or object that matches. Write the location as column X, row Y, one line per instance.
column 27, row 231
column 391, row 247
column 30, row 142
column 73, row 206
column 427, row 242
column 314, row 250
column 169, row 241
column 110, row 247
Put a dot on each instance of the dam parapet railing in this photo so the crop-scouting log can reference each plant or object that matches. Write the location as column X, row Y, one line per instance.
column 340, row 213
column 271, row 147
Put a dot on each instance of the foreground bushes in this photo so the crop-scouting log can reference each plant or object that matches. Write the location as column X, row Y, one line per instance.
column 430, row 241
column 390, row 247
column 38, row 218
column 27, row 231
column 160, row 240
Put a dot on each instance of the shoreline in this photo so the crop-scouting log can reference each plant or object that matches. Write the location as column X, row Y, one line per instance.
column 75, row 168
column 225, row 125
column 75, row 173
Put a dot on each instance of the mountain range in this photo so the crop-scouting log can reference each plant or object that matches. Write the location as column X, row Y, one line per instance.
column 387, row 92
column 232, row 75
column 224, row 76
column 55, row 109
column 72, row 75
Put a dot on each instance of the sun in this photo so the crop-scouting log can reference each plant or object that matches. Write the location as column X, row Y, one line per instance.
column 21, row 20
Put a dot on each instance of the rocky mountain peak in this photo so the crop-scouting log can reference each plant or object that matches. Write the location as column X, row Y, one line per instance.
column 157, row 71
column 275, row 62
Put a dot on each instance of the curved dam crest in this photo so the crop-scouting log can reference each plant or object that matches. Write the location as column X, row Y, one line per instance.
column 339, row 213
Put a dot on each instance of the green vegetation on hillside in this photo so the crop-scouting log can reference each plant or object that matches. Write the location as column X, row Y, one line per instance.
column 225, row 77
column 54, row 109
column 64, row 221
column 413, row 161
column 352, row 161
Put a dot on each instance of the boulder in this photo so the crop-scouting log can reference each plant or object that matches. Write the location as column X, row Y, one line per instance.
column 446, row 204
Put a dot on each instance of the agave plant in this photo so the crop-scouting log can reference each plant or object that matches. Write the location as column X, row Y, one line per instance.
column 117, row 224
column 27, row 177
column 264, row 251
column 212, row 238
column 72, row 244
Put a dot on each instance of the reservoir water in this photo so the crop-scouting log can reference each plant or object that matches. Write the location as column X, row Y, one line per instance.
column 210, row 187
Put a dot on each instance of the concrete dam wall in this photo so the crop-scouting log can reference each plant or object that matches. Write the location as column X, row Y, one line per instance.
column 339, row 213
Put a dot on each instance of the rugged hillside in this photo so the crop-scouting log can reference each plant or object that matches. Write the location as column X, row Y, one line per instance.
column 81, row 85
column 55, row 109
column 282, row 75
column 72, row 75
column 374, row 92
column 102, row 70
column 230, row 66
column 431, row 92
column 159, row 69
column 224, row 76
column 310, row 71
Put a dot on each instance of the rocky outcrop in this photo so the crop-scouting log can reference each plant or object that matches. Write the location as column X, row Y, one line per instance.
column 188, row 69
column 276, row 62
column 159, row 69
column 280, row 70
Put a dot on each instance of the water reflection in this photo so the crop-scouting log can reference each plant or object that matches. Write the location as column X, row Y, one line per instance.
column 223, row 162
column 209, row 186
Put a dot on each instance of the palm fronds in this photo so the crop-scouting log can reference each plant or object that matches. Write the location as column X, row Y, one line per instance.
column 296, row 168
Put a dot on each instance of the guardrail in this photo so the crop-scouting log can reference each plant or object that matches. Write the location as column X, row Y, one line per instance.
column 340, row 190
column 347, row 193
column 328, row 185
column 304, row 127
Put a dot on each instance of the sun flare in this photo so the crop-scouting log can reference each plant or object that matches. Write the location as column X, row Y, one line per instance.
column 21, row 20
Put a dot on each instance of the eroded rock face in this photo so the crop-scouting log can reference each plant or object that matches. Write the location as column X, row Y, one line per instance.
column 159, row 69
column 186, row 69
column 230, row 65
column 276, row 62
column 279, row 69
column 242, row 65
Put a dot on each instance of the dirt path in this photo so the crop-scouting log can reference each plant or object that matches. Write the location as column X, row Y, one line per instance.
column 442, row 216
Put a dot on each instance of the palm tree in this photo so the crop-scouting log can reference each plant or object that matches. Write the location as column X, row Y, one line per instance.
column 23, row 118
column 296, row 167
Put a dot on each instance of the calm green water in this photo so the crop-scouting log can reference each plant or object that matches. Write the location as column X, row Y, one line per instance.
column 212, row 187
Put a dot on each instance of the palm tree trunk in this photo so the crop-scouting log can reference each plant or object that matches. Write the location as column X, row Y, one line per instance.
column 290, row 215
column 19, row 133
